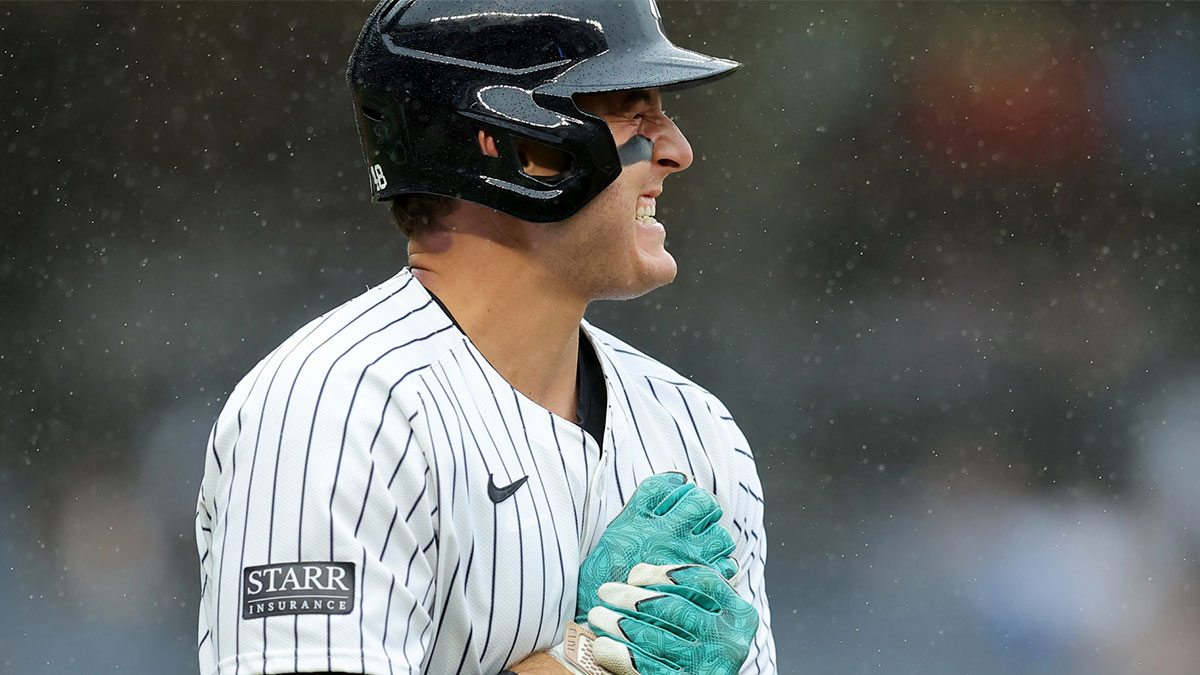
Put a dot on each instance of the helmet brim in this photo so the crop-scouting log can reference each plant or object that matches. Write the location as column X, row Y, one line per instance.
column 662, row 66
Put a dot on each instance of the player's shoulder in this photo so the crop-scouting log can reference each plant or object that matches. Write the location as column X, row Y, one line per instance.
column 648, row 384
column 636, row 369
column 391, row 329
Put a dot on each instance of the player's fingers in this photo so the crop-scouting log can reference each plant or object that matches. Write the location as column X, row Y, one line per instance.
column 715, row 541
column 652, row 492
column 667, row 612
column 656, row 639
column 699, row 601
column 625, row 645
column 728, row 567
column 696, row 507
column 629, row 600
column 672, row 500
column 702, row 586
column 623, row 658
column 685, row 549
column 711, row 520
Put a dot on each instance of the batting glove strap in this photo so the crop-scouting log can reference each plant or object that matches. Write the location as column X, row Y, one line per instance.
column 575, row 651
column 672, row 619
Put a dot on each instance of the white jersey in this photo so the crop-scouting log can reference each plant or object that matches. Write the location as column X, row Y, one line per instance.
column 378, row 499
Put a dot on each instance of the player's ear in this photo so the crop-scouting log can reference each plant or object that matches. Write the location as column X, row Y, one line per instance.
column 536, row 159
column 542, row 160
column 487, row 143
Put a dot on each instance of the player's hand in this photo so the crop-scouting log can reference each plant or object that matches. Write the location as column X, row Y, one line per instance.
column 667, row 521
column 672, row 619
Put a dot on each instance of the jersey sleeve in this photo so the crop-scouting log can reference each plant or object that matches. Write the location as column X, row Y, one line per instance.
column 317, row 530
column 751, row 539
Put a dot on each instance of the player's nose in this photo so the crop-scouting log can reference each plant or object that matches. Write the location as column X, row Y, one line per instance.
column 671, row 149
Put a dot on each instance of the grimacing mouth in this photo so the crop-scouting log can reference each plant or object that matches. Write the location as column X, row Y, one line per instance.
column 646, row 208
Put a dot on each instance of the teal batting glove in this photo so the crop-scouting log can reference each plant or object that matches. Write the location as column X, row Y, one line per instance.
column 672, row 619
column 667, row 520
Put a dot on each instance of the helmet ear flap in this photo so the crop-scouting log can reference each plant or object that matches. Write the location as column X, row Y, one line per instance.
column 544, row 172
column 539, row 154
column 600, row 148
column 384, row 130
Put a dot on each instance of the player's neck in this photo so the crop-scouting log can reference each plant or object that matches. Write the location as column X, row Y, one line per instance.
column 523, row 324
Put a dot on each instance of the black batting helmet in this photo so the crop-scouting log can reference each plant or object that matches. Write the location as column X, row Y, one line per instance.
column 428, row 74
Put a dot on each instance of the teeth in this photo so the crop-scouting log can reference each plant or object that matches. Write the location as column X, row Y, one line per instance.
column 646, row 208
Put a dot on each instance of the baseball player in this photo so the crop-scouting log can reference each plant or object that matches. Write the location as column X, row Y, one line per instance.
column 454, row 472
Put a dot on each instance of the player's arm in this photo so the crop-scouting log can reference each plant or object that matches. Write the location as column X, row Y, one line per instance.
column 540, row 663
column 322, row 540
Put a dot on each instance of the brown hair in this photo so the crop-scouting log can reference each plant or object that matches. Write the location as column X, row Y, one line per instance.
column 416, row 212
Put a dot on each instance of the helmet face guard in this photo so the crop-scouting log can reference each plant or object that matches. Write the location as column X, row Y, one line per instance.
column 427, row 75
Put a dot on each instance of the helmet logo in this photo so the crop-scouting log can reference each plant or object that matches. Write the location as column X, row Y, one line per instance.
column 377, row 177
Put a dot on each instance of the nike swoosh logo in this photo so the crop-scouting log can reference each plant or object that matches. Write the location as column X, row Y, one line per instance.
column 499, row 494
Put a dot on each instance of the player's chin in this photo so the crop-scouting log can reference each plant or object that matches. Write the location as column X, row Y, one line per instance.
column 654, row 271
column 645, row 274
column 661, row 270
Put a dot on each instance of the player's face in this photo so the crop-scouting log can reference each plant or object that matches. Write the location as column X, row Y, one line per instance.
column 616, row 244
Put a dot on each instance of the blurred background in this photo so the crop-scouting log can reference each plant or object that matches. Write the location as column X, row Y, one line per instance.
column 940, row 260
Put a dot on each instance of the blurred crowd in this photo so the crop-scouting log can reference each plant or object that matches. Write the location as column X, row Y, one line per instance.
column 940, row 260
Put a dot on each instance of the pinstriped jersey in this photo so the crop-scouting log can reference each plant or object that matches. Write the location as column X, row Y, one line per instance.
column 345, row 524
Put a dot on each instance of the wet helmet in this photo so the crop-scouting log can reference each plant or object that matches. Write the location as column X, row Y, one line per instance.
column 427, row 75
